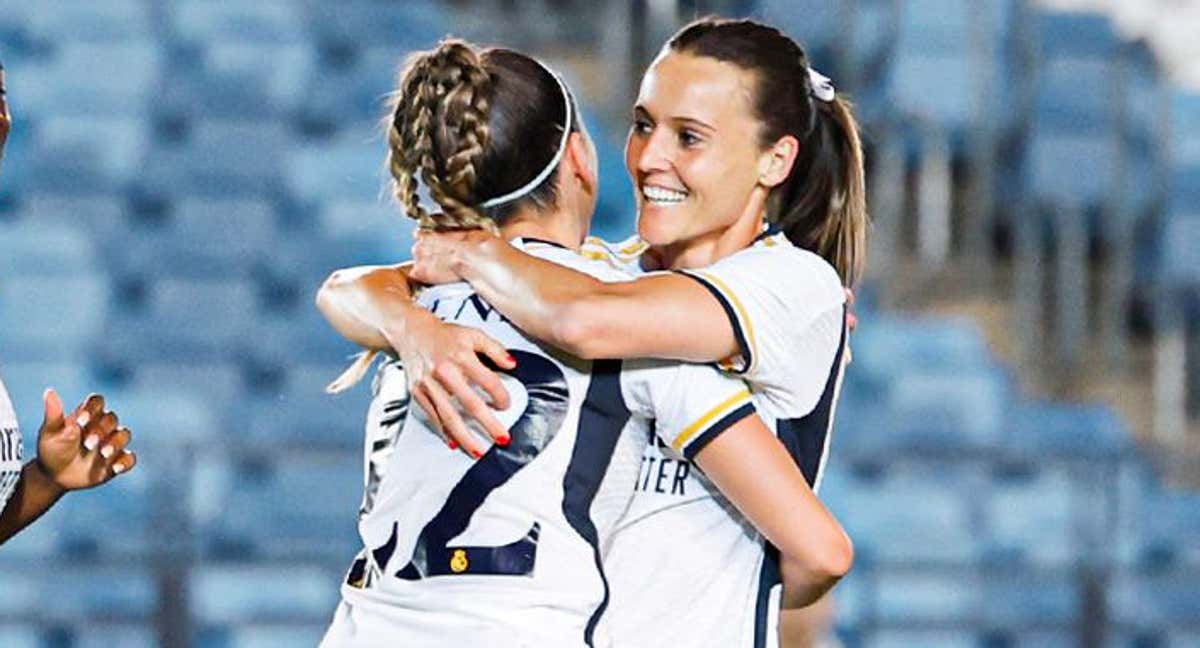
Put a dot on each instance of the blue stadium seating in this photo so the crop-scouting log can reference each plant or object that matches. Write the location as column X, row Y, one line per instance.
column 52, row 317
column 259, row 594
column 278, row 505
column 185, row 173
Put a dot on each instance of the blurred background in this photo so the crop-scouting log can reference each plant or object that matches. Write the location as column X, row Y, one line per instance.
column 1016, row 447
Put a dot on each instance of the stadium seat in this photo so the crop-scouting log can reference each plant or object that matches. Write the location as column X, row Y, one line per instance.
column 20, row 636
column 286, row 593
column 413, row 25
column 898, row 638
column 903, row 519
column 1095, row 162
column 1062, row 33
column 1153, row 600
column 1020, row 598
column 911, row 595
column 26, row 381
column 350, row 167
column 1036, row 517
column 52, row 317
column 221, row 158
column 91, row 78
column 276, row 504
column 375, row 228
column 288, row 635
column 1185, row 127
column 300, row 412
column 1037, row 429
column 1180, row 254
column 186, row 320
column 84, row 20
column 44, row 249
column 267, row 21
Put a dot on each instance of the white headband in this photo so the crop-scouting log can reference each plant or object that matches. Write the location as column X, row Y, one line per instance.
column 822, row 86
column 520, row 192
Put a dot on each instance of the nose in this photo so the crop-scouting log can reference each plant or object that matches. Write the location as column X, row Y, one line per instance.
column 656, row 152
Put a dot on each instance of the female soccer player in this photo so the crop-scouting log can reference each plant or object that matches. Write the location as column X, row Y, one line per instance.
column 68, row 458
column 506, row 551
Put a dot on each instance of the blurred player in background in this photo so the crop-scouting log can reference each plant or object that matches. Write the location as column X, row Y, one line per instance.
column 750, row 184
column 509, row 554
column 76, row 450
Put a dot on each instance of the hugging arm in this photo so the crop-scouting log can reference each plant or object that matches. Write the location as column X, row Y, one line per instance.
column 815, row 551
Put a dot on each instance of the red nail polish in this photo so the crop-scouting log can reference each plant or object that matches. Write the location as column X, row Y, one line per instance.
column 453, row 444
column 503, row 441
column 512, row 359
column 477, row 454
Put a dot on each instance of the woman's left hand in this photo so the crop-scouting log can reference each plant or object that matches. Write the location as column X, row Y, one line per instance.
column 439, row 257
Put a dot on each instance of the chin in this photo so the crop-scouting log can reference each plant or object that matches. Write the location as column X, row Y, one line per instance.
column 656, row 229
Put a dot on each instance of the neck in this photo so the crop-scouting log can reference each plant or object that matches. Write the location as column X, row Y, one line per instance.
column 709, row 249
column 556, row 226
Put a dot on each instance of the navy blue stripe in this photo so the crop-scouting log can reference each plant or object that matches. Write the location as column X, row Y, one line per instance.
column 601, row 419
column 720, row 426
column 528, row 239
column 731, row 313
column 805, row 439
column 771, row 230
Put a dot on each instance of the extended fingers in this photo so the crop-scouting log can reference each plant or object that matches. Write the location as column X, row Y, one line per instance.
column 115, row 443
column 452, row 424
column 458, row 387
column 98, row 429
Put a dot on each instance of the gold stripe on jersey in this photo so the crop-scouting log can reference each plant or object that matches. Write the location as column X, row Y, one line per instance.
column 724, row 407
column 743, row 316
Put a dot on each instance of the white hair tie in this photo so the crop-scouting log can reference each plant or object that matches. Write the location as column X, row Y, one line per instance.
column 822, row 86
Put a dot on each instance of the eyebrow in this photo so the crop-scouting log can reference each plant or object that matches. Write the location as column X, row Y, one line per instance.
column 640, row 111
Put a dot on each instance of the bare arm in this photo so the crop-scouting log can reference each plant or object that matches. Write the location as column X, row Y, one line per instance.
column 658, row 316
column 775, row 497
column 373, row 307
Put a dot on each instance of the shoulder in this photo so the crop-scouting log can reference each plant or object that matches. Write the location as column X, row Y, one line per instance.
column 777, row 270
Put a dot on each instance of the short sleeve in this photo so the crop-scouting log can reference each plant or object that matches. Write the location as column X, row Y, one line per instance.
column 691, row 404
column 787, row 310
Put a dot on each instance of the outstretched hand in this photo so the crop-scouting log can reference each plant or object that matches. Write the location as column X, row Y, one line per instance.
column 85, row 448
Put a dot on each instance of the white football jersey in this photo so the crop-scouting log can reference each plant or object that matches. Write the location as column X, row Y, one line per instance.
column 506, row 551
column 720, row 588
column 10, row 448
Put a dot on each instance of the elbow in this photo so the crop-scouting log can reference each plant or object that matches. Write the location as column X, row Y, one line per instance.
column 822, row 567
column 326, row 294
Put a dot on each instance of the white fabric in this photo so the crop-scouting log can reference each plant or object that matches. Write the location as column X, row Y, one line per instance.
column 684, row 564
column 10, row 448
column 554, row 603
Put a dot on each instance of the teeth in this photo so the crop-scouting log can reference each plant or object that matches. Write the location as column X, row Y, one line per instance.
column 662, row 195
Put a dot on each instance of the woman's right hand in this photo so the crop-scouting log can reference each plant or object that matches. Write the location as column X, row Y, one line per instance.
column 444, row 363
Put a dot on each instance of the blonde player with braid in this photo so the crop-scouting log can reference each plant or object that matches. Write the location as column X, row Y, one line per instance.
column 504, row 549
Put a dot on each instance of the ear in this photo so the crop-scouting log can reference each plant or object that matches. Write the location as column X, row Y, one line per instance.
column 775, row 163
column 581, row 160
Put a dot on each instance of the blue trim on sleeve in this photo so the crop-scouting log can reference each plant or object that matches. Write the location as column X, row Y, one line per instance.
column 726, row 422
column 731, row 313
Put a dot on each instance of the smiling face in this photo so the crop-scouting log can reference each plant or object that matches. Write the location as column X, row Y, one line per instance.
column 693, row 151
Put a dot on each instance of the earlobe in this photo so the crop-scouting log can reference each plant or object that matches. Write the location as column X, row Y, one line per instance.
column 776, row 163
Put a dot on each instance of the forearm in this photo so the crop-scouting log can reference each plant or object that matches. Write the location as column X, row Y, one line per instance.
column 358, row 302
column 661, row 316
column 36, row 492
column 814, row 550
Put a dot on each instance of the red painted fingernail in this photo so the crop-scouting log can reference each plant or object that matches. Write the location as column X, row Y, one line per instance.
column 503, row 441
column 453, row 444
column 512, row 359
column 477, row 454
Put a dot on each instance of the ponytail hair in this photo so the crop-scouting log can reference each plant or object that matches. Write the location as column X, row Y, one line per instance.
column 821, row 205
